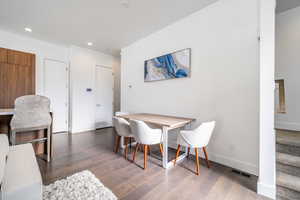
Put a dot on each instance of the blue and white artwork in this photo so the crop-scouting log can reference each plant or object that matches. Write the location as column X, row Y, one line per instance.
column 170, row 66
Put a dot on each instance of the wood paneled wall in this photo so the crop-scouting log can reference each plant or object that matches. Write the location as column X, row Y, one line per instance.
column 17, row 76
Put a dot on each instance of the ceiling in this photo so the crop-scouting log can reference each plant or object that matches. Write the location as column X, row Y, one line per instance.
column 283, row 5
column 108, row 24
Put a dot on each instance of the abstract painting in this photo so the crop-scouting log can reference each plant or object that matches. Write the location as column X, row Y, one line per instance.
column 169, row 66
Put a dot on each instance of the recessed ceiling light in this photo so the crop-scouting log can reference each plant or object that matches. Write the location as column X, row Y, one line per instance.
column 90, row 43
column 28, row 29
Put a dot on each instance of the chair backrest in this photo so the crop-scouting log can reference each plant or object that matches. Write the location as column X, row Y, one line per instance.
column 31, row 111
column 122, row 126
column 142, row 132
column 204, row 131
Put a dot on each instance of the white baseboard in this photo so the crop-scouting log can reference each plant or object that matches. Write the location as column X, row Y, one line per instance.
column 86, row 129
column 287, row 126
column 230, row 162
column 266, row 190
column 82, row 130
column 235, row 164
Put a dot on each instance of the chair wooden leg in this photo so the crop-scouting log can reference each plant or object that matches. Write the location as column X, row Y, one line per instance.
column 118, row 139
column 197, row 161
column 126, row 147
column 206, row 157
column 145, row 156
column 188, row 153
column 177, row 154
column 161, row 148
column 136, row 149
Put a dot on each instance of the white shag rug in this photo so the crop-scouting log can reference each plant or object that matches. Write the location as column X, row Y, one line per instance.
column 80, row 186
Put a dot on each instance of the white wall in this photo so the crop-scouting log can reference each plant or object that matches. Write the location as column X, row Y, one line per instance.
column 224, row 83
column 40, row 48
column 83, row 63
column 266, row 183
column 288, row 66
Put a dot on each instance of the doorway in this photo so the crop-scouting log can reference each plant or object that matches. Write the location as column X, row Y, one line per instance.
column 56, row 88
column 104, row 87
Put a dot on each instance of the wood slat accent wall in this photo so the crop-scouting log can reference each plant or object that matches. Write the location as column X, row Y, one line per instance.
column 17, row 76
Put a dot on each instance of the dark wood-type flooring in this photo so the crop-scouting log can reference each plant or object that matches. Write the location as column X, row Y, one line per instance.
column 94, row 151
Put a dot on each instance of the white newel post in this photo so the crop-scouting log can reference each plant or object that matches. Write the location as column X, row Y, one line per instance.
column 267, row 173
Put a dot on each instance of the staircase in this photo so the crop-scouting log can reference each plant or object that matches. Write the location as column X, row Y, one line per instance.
column 288, row 165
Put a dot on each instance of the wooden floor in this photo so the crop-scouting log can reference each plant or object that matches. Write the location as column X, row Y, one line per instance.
column 128, row 181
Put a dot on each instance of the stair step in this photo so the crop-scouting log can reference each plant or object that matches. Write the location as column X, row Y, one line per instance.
column 288, row 164
column 288, row 181
column 288, row 159
column 286, row 194
column 288, row 169
column 288, row 138
column 288, row 142
column 288, row 149
column 281, row 198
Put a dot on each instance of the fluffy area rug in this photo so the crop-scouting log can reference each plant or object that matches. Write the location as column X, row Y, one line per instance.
column 80, row 186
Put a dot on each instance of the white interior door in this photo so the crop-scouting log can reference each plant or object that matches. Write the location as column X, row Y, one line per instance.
column 104, row 96
column 56, row 89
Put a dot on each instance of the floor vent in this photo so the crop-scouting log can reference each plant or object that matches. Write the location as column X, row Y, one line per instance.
column 241, row 173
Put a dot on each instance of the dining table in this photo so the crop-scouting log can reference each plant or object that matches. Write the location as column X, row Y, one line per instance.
column 166, row 123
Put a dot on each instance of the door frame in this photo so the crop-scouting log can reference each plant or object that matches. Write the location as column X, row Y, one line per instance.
column 68, row 114
column 113, row 89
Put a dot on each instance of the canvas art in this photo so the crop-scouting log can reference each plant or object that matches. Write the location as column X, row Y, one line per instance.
column 169, row 66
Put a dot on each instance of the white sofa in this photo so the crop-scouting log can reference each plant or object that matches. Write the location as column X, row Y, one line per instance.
column 20, row 177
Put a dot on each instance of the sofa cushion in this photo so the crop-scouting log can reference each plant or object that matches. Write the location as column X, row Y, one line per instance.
column 4, row 148
column 22, row 178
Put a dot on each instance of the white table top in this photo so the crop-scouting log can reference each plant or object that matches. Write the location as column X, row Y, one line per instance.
column 6, row 111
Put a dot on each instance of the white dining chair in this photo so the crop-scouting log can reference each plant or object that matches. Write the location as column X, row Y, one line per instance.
column 146, row 136
column 119, row 113
column 123, row 130
column 197, row 138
